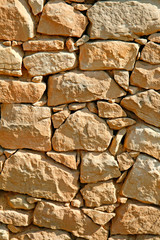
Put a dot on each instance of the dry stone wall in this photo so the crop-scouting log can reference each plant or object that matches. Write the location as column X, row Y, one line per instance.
column 80, row 120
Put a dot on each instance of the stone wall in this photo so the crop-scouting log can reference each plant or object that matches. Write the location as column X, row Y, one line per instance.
column 80, row 120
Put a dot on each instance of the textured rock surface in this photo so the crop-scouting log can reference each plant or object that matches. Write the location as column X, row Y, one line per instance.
column 45, row 180
column 22, row 126
column 119, row 123
column 59, row 117
column 36, row 5
column 110, row 110
column 19, row 201
column 125, row 161
column 151, row 53
column 93, row 132
column 106, row 55
column 4, row 232
column 122, row 78
column 80, row 86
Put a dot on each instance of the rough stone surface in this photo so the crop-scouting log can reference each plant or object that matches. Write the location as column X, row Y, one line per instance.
column 125, row 161
column 145, row 105
column 151, row 53
column 136, row 218
column 4, row 232
column 19, row 201
column 115, row 144
column 36, row 5
column 44, row 177
column 155, row 37
column 44, row 63
column 110, row 110
column 106, row 55
column 54, row 21
column 76, row 106
column 122, row 78
column 97, row 194
column 80, row 86
column 59, row 117
column 119, row 123
column 93, row 132
column 123, row 19
column 25, row 126
column 97, row 167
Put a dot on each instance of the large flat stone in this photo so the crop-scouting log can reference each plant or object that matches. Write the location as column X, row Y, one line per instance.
column 25, row 126
column 123, row 19
column 82, row 86
column 107, row 55
column 110, row 110
column 35, row 174
column 92, row 131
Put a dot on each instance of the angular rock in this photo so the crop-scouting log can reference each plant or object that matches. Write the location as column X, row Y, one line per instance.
column 107, row 208
column 122, row 78
column 125, row 161
column 44, row 177
column 142, row 182
column 155, row 37
column 70, row 44
column 110, row 110
column 145, row 105
column 10, row 60
column 68, row 159
column 59, row 117
column 36, row 5
column 119, row 123
column 54, row 21
column 97, row 194
column 19, row 201
column 20, row 92
column 44, row 63
column 108, row 55
column 120, row 180
column 82, row 86
column 115, row 144
column 92, row 107
column 143, row 138
column 82, row 40
column 123, row 19
column 19, row 25
column 141, row 41
column 81, row 7
column 2, row 161
column 97, row 167
column 93, row 133
column 146, row 76
column 136, row 218
column 151, row 53
column 57, row 216
column 122, row 237
column 4, row 232
column 59, row 108
column 25, row 126
column 9, row 152
column 76, row 106
column 148, row 237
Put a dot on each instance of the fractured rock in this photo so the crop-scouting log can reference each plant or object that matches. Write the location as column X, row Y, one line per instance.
column 151, row 53
column 122, row 78
column 115, row 144
column 110, row 110
column 125, row 161
column 36, row 5
column 119, row 123
column 155, row 37
column 59, row 117
column 4, row 232
column 19, row 201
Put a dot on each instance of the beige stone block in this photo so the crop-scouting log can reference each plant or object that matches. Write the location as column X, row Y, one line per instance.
column 155, row 37
column 125, row 161
column 19, row 201
column 119, row 123
column 110, row 110
column 122, row 78
column 59, row 117
column 115, row 144
column 107, row 208
column 36, row 5
column 92, row 107
column 151, row 53
column 4, row 232
column 76, row 106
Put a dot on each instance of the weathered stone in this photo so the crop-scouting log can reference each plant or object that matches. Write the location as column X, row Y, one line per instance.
column 122, row 237
column 146, row 75
column 36, row 5
column 44, row 63
column 82, row 86
column 59, row 108
column 125, row 161
column 25, row 126
column 92, row 107
column 68, row 159
column 4, row 232
column 122, row 78
column 2, row 160
column 77, row 201
column 46, row 179
column 41, row 102
column 93, row 133
column 115, row 144
column 141, row 41
column 70, row 45
column 136, row 218
column 110, row 110
column 143, row 138
column 57, row 216
column 142, row 182
column 145, row 105
column 148, row 237
column 32, row 200
column 97, row 167
column 151, row 53
column 122, row 177
column 107, row 55
column 9, row 152
column 133, row 90
column 10, row 60
column 14, row 229
column 76, row 106
column 16, row 26
column 123, row 19
column 155, row 37
column 134, row 154
column 20, row 92
column 119, row 123
column 81, row 7
column 59, row 117
column 54, row 22
column 82, row 40
column 19, row 201
column 100, row 218
column 107, row 208
column 97, row 194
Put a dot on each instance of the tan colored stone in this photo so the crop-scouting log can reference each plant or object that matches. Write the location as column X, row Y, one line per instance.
column 133, row 90
column 59, row 117
column 82, row 86
column 107, row 55
column 145, row 105
column 142, row 182
column 97, row 194
column 151, row 53
column 122, row 177
column 36, row 5
column 97, row 167
column 25, row 126
column 146, row 75
column 76, row 106
column 70, row 44
column 7, row 43
column 92, row 107
column 77, row 201
column 42, row 102
column 93, row 133
column 4, row 233
column 10, row 60
column 57, row 216
column 100, row 218
column 68, row 159
column 155, row 37
column 122, row 78
column 54, row 21
column 119, row 123
column 44, row 63
column 123, row 19
column 14, row 229
column 82, row 40
column 148, row 237
column 107, row 208
column 37, row 79
column 44, row 177
column 115, row 144
column 136, row 218
column 122, row 200
column 134, row 154
column 20, row 92
column 32, row 200
column 59, row 108
column 122, row 237
column 125, row 161
column 20, row 24
column 81, row 7
column 141, row 41
column 143, row 138
column 9, row 152
column 19, row 201
column 110, row 110
column 2, row 161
